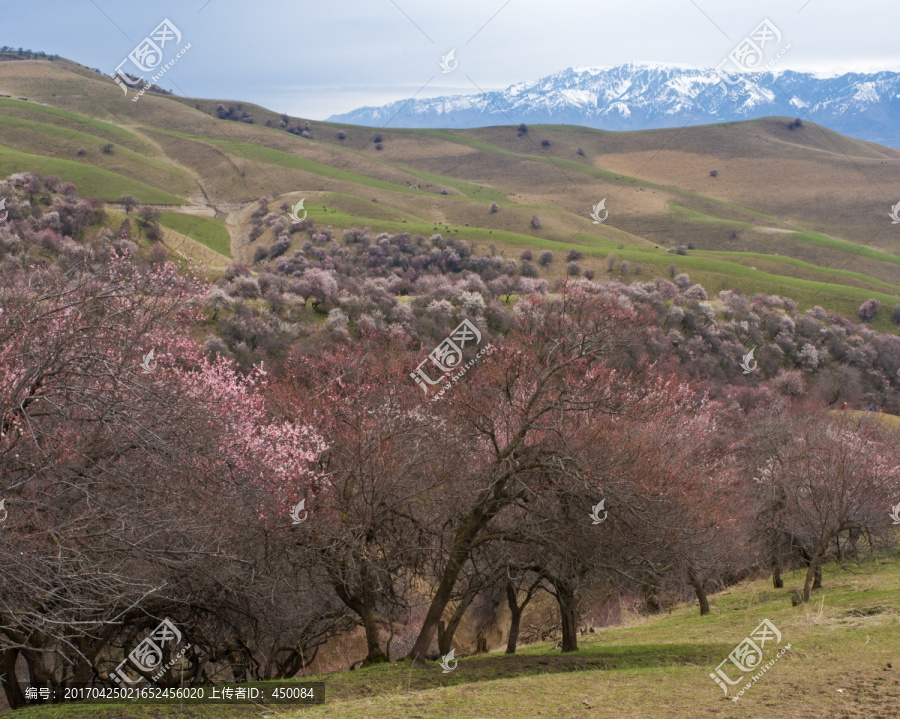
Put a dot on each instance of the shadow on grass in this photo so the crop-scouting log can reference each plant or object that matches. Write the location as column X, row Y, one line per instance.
column 404, row 676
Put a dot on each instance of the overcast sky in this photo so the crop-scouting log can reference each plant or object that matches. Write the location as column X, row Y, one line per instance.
column 317, row 59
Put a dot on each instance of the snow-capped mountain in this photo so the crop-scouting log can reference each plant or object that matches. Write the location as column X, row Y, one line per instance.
column 641, row 97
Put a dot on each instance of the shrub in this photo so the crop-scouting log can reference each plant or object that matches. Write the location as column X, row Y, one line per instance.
column 526, row 255
column 696, row 292
column 523, row 130
column 148, row 215
column 672, row 270
column 444, row 191
column 536, row 222
column 683, row 281
column 154, row 232
column 573, row 269
column 341, row 135
column 789, row 382
column 612, row 261
column 245, row 287
column 494, row 207
column 81, row 152
column 545, row 258
column 588, row 274
column 713, row 173
column 260, row 254
column 129, row 202
column 236, row 269
column 379, row 146
column 573, row 255
column 378, row 138
column 868, row 310
column 624, row 267
column 545, row 142
column 795, row 124
column 279, row 247
column 108, row 148
column 580, row 152
column 895, row 315
column 157, row 255
column 305, row 134
column 528, row 269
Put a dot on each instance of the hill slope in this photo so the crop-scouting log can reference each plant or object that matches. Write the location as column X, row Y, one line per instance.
column 793, row 210
column 844, row 661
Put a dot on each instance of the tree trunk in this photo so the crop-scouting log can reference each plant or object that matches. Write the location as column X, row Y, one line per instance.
column 813, row 573
column 374, row 652
column 480, row 644
column 459, row 554
column 777, row 581
column 700, row 591
column 366, row 614
column 515, row 611
column 36, row 670
column 568, row 605
column 9, row 680
column 651, row 601
column 514, row 624
column 445, row 633
column 515, row 621
column 440, row 600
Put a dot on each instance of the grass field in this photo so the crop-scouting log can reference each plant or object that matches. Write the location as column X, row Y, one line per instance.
column 205, row 230
column 90, row 181
column 844, row 662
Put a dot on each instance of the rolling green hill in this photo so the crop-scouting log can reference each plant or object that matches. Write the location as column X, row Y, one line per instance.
column 797, row 213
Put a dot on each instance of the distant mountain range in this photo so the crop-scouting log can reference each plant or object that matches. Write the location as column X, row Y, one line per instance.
column 650, row 96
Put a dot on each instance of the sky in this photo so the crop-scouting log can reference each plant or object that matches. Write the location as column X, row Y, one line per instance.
column 317, row 59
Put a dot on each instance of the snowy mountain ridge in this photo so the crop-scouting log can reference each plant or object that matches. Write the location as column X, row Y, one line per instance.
column 654, row 95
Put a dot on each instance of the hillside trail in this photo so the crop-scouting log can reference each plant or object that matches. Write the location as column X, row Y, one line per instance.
column 201, row 205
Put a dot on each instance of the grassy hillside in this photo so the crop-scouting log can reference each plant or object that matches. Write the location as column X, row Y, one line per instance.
column 205, row 230
column 844, row 661
column 800, row 212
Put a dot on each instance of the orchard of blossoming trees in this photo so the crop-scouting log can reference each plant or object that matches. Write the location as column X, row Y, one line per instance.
column 137, row 487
